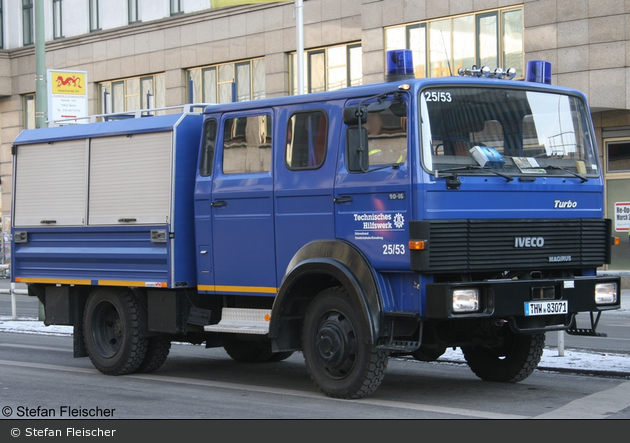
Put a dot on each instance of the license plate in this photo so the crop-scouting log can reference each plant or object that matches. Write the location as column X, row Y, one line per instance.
column 546, row 307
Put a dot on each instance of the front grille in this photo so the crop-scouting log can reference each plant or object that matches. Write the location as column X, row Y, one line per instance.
column 496, row 245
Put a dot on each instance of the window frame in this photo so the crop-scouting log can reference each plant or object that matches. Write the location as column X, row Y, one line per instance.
column 28, row 23
column 94, row 15
column 500, row 32
column 133, row 12
column 176, row 7
column 57, row 13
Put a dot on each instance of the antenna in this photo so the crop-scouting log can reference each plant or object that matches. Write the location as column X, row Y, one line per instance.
column 448, row 57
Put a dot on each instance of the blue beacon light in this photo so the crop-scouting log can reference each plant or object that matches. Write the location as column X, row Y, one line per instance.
column 538, row 71
column 399, row 65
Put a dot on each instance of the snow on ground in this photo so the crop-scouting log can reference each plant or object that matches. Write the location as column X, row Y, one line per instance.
column 551, row 360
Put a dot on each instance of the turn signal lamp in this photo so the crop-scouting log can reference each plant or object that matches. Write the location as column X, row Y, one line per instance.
column 416, row 245
column 538, row 71
column 399, row 65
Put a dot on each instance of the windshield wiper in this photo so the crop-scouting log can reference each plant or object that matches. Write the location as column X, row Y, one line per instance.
column 507, row 177
column 580, row 176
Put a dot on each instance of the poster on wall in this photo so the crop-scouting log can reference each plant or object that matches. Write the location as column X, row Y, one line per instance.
column 622, row 216
column 67, row 97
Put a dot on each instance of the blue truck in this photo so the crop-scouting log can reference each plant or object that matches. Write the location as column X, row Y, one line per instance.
column 400, row 218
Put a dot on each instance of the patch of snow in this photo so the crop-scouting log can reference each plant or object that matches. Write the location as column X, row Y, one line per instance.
column 571, row 360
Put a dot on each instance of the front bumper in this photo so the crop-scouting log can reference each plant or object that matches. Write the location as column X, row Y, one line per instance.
column 506, row 299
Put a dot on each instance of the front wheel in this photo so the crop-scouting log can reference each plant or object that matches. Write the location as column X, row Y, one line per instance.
column 513, row 361
column 334, row 342
column 112, row 331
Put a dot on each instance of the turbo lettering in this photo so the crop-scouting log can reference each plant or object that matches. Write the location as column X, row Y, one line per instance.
column 569, row 204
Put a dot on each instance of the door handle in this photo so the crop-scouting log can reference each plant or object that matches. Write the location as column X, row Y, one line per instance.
column 218, row 204
column 344, row 199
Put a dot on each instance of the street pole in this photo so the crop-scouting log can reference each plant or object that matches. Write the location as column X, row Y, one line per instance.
column 41, row 97
column 299, row 25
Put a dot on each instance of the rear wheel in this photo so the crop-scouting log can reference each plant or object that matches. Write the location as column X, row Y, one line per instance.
column 338, row 359
column 112, row 331
column 513, row 361
column 158, row 349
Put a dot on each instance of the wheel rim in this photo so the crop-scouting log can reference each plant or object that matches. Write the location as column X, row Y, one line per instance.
column 107, row 330
column 336, row 344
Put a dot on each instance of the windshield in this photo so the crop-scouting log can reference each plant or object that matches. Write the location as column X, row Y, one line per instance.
column 516, row 132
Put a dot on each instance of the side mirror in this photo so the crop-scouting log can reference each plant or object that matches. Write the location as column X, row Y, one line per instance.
column 357, row 149
column 353, row 114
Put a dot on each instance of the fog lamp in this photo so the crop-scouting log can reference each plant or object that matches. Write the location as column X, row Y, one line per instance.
column 605, row 293
column 465, row 300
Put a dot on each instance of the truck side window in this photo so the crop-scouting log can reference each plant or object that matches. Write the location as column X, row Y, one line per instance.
column 387, row 136
column 247, row 144
column 306, row 140
column 207, row 149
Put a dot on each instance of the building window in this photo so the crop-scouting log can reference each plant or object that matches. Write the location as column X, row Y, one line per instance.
column 95, row 24
column 57, row 19
column 228, row 82
column 176, row 7
column 618, row 155
column 441, row 47
column 328, row 69
column 134, row 15
column 28, row 111
column 27, row 22
column 132, row 94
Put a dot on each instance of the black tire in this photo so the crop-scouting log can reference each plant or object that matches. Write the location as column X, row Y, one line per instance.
column 157, row 352
column 112, row 320
column 423, row 354
column 248, row 351
column 280, row 356
column 512, row 362
column 338, row 360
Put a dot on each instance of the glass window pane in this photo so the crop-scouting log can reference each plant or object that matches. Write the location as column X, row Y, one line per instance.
column 618, row 154
column 337, row 72
column 440, row 49
column 258, row 66
column 356, row 65
column 513, row 41
column 209, row 85
column 418, row 46
column 194, row 75
column 395, row 38
column 317, row 72
column 247, row 145
column 118, row 97
column 209, row 141
column 132, row 97
column 160, row 92
column 463, row 42
column 306, row 140
column 243, row 82
column 488, row 40
column 146, row 89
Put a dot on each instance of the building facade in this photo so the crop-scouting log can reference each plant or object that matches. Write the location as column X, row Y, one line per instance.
column 160, row 53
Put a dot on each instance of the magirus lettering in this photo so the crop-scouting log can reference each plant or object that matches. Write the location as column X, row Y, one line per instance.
column 529, row 242
column 568, row 204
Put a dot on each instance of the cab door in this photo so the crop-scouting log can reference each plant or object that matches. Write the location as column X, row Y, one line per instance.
column 243, row 243
column 373, row 207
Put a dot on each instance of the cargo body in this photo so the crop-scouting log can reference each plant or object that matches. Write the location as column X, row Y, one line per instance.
column 399, row 218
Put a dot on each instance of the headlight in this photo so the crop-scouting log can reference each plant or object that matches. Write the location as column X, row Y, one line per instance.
column 605, row 293
column 465, row 300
